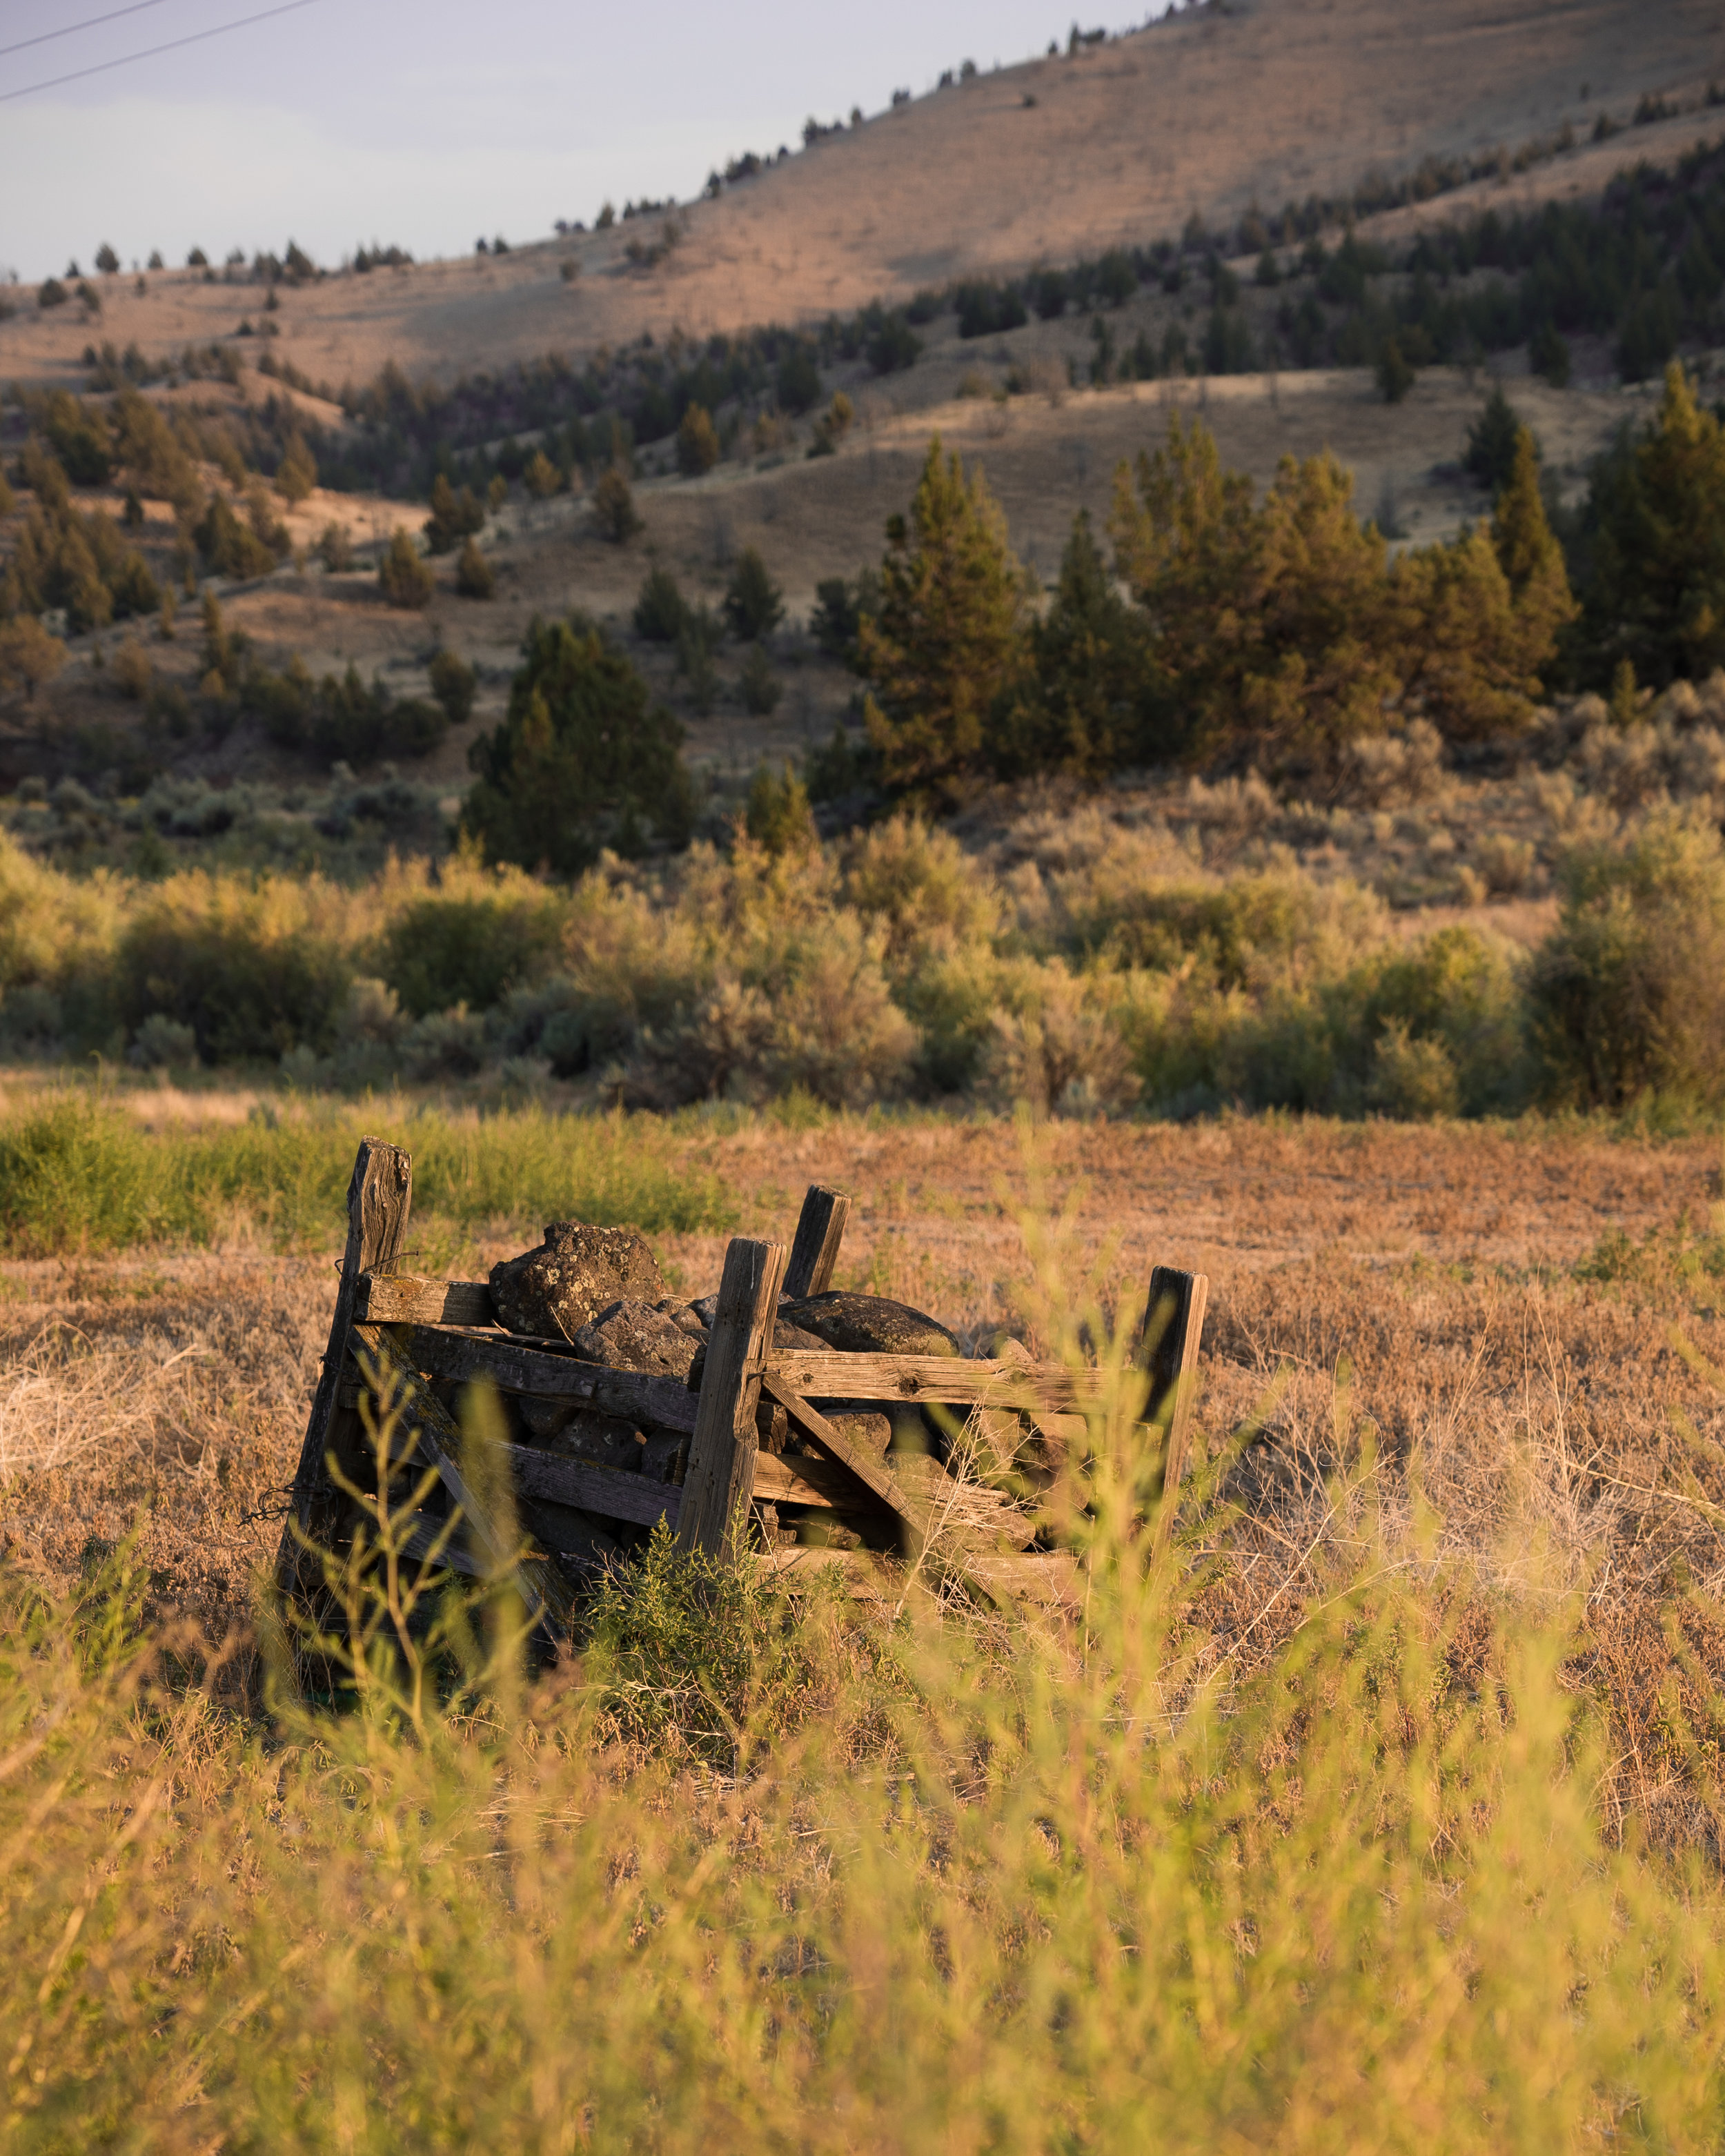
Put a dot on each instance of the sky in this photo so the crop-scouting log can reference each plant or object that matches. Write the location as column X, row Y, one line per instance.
column 341, row 122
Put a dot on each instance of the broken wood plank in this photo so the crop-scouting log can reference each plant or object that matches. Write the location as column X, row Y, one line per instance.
column 540, row 1585
column 590, row 1488
column 722, row 1452
column 951, row 1380
column 1173, row 1327
column 406, row 1299
column 814, row 1248
column 632, row 1395
column 380, row 1197
column 873, row 1479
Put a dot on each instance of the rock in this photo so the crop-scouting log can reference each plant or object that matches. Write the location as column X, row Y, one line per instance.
column 576, row 1272
column 630, row 1335
column 685, row 1316
column 869, row 1325
column 784, row 1337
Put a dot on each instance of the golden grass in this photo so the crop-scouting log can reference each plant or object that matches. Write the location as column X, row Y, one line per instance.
column 1393, row 1822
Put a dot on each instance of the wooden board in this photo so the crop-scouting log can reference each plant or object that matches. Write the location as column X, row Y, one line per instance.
column 1173, row 1326
column 408, row 1299
column 631, row 1395
column 725, row 1445
column 380, row 1197
column 1052, row 1581
column 814, row 1248
column 952, row 1381
column 591, row 1488
column 871, row 1478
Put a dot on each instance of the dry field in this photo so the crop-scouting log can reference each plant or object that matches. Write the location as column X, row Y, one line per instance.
column 1210, row 111
column 1414, row 1305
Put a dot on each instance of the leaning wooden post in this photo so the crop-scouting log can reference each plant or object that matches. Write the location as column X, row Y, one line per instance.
column 814, row 1250
column 721, row 1454
column 379, row 1198
column 1173, row 1325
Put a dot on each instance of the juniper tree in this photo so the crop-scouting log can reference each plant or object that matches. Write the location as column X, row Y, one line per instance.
column 949, row 633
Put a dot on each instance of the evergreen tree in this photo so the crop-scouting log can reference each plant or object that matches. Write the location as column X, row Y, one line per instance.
column 296, row 475
column 1532, row 562
column 753, row 604
column 583, row 760
column 1656, row 522
column 660, row 609
column 1395, row 377
column 1491, row 441
column 949, row 633
column 613, row 507
column 402, row 577
column 475, row 578
column 540, row 477
column 697, row 442
column 1081, row 705
column 454, row 684
column 29, row 656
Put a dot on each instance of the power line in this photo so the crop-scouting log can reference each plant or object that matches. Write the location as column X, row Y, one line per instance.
column 89, row 23
column 149, row 52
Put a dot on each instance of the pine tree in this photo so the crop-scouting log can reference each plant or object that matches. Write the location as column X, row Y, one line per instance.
column 753, row 604
column 583, row 760
column 402, row 577
column 949, row 635
column 1082, row 703
column 613, row 507
column 475, row 578
column 1491, row 441
column 1532, row 561
column 697, row 442
column 296, row 475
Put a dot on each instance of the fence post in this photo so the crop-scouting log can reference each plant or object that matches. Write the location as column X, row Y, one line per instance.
column 815, row 1248
column 721, row 1454
column 380, row 1197
column 1173, row 1325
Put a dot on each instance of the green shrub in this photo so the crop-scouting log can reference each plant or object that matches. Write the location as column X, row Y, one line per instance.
column 661, row 611
column 474, row 577
column 455, row 685
column 253, row 970
column 759, row 686
column 753, row 604
column 777, row 815
column 469, row 947
column 1628, row 993
column 402, row 577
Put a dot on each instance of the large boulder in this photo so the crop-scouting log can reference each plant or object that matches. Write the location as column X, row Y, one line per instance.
column 632, row 1335
column 578, row 1271
column 868, row 1325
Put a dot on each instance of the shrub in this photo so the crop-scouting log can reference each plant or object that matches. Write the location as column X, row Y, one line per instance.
column 51, row 293
column 403, row 575
column 697, row 442
column 29, row 656
column 335, row 548
column 760, row 687
column 661, row 613
column 454, row 684
column 614, row 508
column 798, row 381
column 474, row 577
column 230, row 548
column 472, row 943
column 1395, row 377
column 1491, row 439
column 252, row 969
column 133, row 674
column 540, row 476
column 753, row 604
column 453, row 515
column 583, row 760
column 296, row 475
column 1628, row 993
column 776, row 816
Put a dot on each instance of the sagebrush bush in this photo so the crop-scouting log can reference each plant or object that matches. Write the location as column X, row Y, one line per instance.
column 1628, row 995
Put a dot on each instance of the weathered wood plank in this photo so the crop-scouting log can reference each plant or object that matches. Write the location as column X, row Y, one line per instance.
column 407, row 1299
column 541, row 1586
column 722, row 1452
column 814, row 1248
column 952, row 1380
column 1050, row 1580
column 632, row 1395
column 1173, row 1327
column 802, row 1479
column 380, row 1196
column 590, row 1488
column 873, row 1479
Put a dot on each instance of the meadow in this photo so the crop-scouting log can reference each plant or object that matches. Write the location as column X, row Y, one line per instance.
column 1386, row 1813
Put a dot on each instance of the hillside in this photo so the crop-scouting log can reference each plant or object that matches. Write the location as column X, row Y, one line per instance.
column 1207, row 113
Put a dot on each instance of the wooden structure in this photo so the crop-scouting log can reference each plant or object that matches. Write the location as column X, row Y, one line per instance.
column 703, row 1468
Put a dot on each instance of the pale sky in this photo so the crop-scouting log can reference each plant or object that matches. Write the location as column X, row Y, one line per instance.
column 352, row 121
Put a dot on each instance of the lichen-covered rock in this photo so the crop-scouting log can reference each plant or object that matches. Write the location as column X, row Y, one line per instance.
column 632, row 1335
column 785, row 1337
column 578, row 1271
column 868, row 1325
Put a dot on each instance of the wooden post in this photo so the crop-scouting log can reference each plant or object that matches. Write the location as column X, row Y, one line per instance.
column 379, row 1198
column 814, row 1251
column 721, row 1453
column 1173, row 1325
